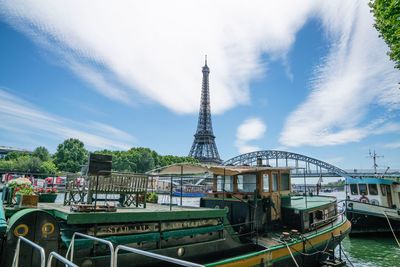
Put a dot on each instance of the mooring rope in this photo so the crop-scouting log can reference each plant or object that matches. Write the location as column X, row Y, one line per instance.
column 390, row 225
column 291, row 254
column 346, row 257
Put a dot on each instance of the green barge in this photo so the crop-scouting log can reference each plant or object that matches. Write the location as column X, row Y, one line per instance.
column 250, row 218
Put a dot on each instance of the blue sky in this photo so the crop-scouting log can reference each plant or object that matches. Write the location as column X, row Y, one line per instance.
column 312, row 78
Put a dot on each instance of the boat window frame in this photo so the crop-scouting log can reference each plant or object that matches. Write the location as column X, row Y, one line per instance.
column 354, row 186
column 275, row 183
column 281, row 181
column 366, row 189
column 266, row 182
column 374, row 192
column 383, row 190
column 243, row 182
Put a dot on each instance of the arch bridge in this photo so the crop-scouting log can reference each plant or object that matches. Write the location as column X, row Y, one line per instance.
column 302, row 164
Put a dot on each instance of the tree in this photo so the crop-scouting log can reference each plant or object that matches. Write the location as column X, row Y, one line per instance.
column 28, row 164
column 42, row 153
column 48, row 167
column 387, row 22
column 70, row 155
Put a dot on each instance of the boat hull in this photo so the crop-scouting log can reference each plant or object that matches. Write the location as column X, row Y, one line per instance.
column 305, row 253
column 367, row 218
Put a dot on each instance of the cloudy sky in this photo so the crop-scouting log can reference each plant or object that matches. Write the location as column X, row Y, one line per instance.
column 310, row 77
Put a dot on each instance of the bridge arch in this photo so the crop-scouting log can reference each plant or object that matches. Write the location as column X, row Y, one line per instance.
column 312, row 166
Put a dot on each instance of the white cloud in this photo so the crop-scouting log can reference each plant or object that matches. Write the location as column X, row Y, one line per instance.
column 156, row 48
column 355, row 74
column 25, row 120
column 250, row 130
column 393, row 145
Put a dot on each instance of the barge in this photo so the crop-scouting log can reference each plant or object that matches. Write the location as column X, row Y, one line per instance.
column 249, row 219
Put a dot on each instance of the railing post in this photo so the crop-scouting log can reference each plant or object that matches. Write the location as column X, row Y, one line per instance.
column 108, row 243
column 60, row 258
column 32, row 244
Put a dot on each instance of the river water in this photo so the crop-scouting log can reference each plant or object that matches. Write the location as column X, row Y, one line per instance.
column 370, row 251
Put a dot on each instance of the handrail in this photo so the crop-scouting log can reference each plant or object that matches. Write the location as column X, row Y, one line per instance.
column 60, row 258
column 328, row 219
column 108, row 243
column 153, row 255
column 34, row 245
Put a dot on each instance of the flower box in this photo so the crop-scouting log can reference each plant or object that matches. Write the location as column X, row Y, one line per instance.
column 27, row 200
column 47, row 198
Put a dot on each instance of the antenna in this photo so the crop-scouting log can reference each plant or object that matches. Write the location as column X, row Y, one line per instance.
column 206, row 60
column 374, row 156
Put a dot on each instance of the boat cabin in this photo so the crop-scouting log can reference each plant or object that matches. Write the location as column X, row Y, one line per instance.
column 259, row 199
column 373, row 190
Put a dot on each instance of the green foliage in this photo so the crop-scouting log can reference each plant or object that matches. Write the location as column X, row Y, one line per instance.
column 42, row 153
column 152, row 197
column 48, row 167
column 70, row 155
column 142, row 159
column 28, row 164
column 7, row 164
column 387, row 22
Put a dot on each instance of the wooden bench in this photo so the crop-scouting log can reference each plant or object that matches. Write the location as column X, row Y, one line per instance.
column 132, row 188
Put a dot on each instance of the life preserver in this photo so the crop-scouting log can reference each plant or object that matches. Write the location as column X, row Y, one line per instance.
column 364, row 199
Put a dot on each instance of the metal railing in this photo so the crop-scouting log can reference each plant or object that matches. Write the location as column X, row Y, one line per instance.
column 153, row 255
column 106, row 242
column 34, row 245
column 60, row 258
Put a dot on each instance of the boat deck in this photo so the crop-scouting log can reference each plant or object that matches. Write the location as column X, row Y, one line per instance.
column 152, row 212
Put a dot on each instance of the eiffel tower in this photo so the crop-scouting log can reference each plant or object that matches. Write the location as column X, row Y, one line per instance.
column 204, row 148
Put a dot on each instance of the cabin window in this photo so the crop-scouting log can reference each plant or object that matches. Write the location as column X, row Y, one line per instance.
column 285, row 181
column 383, row 190
column 274, row 182
column 247, row 183
column 228, row 183
column 225, row 183
column 373, row 189
column 363, row 189
column 266, row 182
column 319, row 215
column 354, row 189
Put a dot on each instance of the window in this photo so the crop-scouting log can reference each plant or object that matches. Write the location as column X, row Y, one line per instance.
column 274, row 182
column 383, row 190
column 354, row 189
column 228, row 183
column 247, row 183
column 285, row 181
column 266, row 182
column 373, row 189
column 224, row 183
column 363, row 189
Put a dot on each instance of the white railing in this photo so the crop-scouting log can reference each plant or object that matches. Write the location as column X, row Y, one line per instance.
column 106, row 242
column 153, row 255
column 59, row 258
column 34, row 245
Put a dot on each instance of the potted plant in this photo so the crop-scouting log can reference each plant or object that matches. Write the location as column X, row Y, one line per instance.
column 23, row 192
column 47, row 195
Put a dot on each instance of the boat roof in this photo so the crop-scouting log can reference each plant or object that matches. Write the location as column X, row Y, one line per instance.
column 370, row 180
column 308, row 202
column 197, row 169
column 237, row 170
